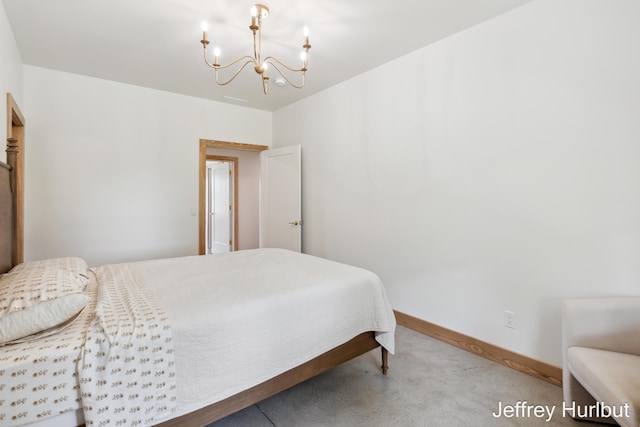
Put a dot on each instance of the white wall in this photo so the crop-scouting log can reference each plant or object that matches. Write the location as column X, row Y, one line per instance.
column 498, row 169
column 10, row 73
column 112, row 169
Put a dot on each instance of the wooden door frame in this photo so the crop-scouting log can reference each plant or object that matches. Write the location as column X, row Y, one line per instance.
column 15, row 158
column 202, row 208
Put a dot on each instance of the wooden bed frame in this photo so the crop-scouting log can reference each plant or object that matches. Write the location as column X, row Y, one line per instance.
column 12, row 175
column 11, row 253
column 332, row 358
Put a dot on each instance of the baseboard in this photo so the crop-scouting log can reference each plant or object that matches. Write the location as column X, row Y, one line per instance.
column 527, row 365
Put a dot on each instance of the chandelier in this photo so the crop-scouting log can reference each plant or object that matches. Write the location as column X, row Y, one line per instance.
column 260, row 65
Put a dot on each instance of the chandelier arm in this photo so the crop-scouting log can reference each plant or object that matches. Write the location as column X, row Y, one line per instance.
column 284, row 76
column 295, row 70
column 205, row 59
column 236, row 73
column 247, row 57
column 222, row 67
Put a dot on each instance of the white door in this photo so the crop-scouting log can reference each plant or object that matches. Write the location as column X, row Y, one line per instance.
column 281, row 198
column 219, row 207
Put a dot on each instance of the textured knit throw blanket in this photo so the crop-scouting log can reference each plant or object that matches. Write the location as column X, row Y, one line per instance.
column 126, row 368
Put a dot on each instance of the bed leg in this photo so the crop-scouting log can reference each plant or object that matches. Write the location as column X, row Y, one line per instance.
column 385, row 360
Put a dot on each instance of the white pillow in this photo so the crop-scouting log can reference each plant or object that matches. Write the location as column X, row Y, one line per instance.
column 38, row 301
column 73, row 264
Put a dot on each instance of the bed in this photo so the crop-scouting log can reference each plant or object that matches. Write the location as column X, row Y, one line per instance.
column 181, row 341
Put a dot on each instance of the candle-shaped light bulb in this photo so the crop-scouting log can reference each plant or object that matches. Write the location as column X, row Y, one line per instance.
column 205, row 28
column 306, row 44
column 254, row 13
column 303, row 56
column 216, row 55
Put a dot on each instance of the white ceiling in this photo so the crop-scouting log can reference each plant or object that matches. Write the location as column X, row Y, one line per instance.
column 156, row 43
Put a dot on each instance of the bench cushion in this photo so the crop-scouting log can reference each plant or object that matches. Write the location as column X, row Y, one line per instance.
column 610, row 377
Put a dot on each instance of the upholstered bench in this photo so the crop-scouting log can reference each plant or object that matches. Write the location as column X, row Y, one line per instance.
column 601, row 359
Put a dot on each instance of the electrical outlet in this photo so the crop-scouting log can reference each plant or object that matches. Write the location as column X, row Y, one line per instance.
column 509, row 319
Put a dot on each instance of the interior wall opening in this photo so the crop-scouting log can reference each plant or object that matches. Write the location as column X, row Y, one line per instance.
column 246, row 190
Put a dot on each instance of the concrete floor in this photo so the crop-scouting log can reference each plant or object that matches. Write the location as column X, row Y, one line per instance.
column 429, row 383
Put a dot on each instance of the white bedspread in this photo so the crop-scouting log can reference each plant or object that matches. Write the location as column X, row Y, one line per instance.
column 236, row 320
column 242, row 318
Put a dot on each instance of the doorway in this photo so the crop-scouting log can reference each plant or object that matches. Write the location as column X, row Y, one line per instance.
column 246, row 181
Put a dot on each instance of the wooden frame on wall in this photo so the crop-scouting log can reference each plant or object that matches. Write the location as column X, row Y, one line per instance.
column 202, row 176
column 15, row 159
